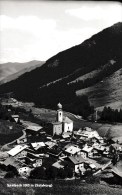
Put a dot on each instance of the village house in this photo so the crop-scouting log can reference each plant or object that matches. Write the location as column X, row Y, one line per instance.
column 66, row 135
column 24, row 171
column 21, row 141
column 50, row 144
column 11, row 163
column 81, row 165
column 37, row 145
column 31, row 150
column 34, row 160
column 54, row 152
column 99, row 148
column 87, row 133
column 87, row 151
column 9, row 102
column 115, row 148
column 77, row 136
column 101, row 140
column 60, row 164
column 33, row 155
column 106, row 152
column 33, row 130
column 71, row 149
column 97, row 140
column 37, row 163
column 18, row 151
column 54, row 128
column 15, row 118
column 13, row 100
column 29, row 161
column 77, row 163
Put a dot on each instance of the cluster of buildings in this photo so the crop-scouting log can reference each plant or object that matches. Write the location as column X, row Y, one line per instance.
column 58, row 145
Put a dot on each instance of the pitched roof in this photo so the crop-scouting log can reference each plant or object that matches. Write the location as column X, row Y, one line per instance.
column 116, row 146
column 12, row 161
column 65, row 135
column 34, row 127
column 92, row 165
column 99, row 148
column 72, row 149
column 15, row 116
column 17, row 149
column 50, row 144
column 37, row 145
column 67, row 120
column 59, row 164
column 76, row 159
column 9, row 161
column 68, row 145
column 56, row 122
column 87, row 149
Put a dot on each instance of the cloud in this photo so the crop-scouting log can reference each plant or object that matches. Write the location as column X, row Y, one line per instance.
column 39, row 31
column 108, row 13
column 25, row 37
column 31, row 24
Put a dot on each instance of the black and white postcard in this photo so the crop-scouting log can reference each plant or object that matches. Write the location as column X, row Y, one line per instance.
column 60, row 97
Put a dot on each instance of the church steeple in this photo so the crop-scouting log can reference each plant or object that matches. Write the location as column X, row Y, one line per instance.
column 59, row 113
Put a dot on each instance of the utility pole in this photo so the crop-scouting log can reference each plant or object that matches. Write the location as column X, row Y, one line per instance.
column 96, row 115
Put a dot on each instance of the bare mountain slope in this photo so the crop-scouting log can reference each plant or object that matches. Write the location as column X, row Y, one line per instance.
column 106, row 93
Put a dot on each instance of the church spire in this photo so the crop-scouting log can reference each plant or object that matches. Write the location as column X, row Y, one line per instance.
column 59, row 113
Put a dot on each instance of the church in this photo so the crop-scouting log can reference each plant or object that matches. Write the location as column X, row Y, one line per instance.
column 62, row 124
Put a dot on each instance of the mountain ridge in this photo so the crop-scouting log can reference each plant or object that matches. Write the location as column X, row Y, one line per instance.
column 11, row 70
column 59, row 71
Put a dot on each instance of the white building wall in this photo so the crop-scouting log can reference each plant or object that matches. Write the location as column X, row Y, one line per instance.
column 83, row 154
column 68, row 127
column 57, row 129
column 78, row 167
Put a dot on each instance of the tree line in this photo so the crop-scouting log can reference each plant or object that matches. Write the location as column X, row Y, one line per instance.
column 111, row 115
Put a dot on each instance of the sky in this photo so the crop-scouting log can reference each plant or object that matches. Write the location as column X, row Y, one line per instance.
column 37, row 30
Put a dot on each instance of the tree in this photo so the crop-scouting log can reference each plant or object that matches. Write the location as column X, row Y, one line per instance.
column 62, row 173
column 69, row 172
column 9, row 174
column 115, row 158
column 38, row 173
column 51, row 172
column 109, row 114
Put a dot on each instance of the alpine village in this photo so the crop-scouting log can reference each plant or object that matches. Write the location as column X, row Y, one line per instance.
column 50, row 131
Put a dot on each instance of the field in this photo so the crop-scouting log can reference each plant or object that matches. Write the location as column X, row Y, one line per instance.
column 106, row 93
column 104, row 129
column 9, row 131
column 39, row 115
